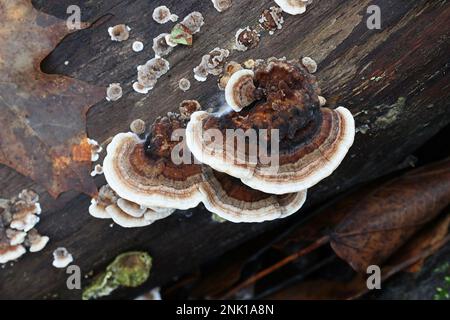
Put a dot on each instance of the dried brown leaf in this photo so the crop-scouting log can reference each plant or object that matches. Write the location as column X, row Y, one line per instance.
column 43, row 117
column 387, row 218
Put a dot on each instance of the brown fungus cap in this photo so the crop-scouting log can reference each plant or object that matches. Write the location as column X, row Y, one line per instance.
column 312, row 140
column 231, row 200
column 142, row 171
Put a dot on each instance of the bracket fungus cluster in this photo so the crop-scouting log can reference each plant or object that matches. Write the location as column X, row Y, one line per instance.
column 149, row 73
column 159, row 172
column 212, row 63
column 283, row 96
column 18, row 217
column 175, row 165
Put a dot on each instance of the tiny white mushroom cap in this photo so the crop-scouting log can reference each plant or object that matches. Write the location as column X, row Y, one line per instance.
column 98, row 211
column 125, row 220
column 12, row 253
column 138, row 46
column 131, row 208
column 140, row 88
column 98, row 169
column 184, row 84
column 61, row 258
column 293, row 7
column 114, row 92
column 39, row 244
column 238, row 87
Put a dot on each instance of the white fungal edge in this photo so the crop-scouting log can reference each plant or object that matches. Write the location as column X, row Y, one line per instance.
column 13, row 255
column 38, row 246
column 234, row 79
column 194, row 139
column 238, row 45
column 288, row 7
column 130, row 194
column 256, row 216
column 63, row 262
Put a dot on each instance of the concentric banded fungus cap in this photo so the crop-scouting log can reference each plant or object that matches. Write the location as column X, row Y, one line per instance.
column 312, row 140
column 293, row 7
column 142, row 171
column 231, row 200
column 240, row 91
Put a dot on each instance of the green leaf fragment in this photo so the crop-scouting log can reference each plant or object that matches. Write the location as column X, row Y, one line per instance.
column 181, row 35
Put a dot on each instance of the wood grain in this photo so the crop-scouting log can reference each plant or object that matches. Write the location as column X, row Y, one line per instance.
column 394, row 80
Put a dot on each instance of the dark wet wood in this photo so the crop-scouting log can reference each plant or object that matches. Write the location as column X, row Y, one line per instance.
column 394, row 80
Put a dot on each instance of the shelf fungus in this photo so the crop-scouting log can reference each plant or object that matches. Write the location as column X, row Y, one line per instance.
column 246, row 38
column 212, row 63
column 160, row 45
column 142, row 171
column 61, row 258
column 130, row 269
column 240, row 90
column 18, row 216
column 230, row 199
column 293, row 7
column 297, row 143
column 159, row 172
column 114, row 92
column 184, row 84
column 272, row 19
column 222, row 5
column 35, row 241
column 119, row 32
column 137, row 46
column 163, row 15
column 149, row 73
column 127, row 214
column 230, row 68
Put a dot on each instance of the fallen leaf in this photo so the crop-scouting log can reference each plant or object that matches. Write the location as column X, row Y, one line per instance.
column 386, row 219
column 43, row 116
column 429, row 239
column 410, row 257
column 369, row 228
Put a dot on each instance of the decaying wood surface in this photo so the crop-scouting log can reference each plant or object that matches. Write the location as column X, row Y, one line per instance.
column 395, row 80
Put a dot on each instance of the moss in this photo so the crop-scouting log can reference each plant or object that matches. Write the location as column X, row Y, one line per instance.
column 129, row 269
